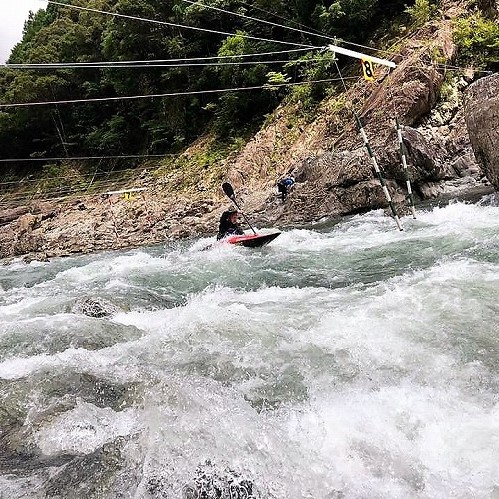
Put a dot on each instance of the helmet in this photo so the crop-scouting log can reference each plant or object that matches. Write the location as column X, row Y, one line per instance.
column 228, row 214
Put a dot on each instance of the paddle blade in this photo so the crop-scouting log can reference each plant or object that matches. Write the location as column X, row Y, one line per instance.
column 229, row 191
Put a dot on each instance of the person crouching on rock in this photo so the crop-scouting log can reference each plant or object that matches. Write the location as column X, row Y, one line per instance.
column 228, row 224
column 284, row 185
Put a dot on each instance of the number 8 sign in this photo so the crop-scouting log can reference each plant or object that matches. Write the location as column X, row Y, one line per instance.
column 367, row 68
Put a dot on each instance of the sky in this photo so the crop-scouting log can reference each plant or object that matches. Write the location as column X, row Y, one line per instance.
column 13, row 13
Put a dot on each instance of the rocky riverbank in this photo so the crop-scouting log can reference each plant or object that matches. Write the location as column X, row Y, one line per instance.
column 44, row 230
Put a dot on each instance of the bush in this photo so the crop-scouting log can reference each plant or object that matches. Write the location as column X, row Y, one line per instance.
column 421, row 12
column 477, row 39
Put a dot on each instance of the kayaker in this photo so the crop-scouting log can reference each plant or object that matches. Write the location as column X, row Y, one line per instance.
column 228, row 224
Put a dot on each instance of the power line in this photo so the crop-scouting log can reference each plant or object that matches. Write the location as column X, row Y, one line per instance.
column 62, row 193
column 82, row 178
column 112, row 65
column 304, row 47
column 47, row 181
column 189, row 59
column 165, row 23
column 391, row 53
column 37, row 190
column 172, row 94
column 458, row 68
column 253, row 6
column 86, row 158
column 317, row 34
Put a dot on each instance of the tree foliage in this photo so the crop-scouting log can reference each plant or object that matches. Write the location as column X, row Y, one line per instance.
column 478, row 40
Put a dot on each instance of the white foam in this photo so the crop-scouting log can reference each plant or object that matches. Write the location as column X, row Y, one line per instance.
column 370, row 353
column 84, row 429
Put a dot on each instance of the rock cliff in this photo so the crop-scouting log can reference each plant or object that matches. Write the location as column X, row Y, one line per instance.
column 482, row 120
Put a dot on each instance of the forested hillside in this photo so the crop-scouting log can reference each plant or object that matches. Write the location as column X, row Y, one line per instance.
column 198, row 50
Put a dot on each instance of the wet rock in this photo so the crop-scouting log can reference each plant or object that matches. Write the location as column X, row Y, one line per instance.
column 91, row 475
column 18, row 455
column 36, row 257
column 95, row 307
column 427, row 158
column 226, row 484
column 209, row 482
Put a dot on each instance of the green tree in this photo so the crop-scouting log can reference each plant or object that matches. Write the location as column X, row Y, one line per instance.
column 478, row 41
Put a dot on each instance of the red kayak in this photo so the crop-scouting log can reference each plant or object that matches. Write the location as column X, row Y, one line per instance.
column 251, row 240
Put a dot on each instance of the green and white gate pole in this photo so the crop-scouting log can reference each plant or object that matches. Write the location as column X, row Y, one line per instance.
column 406, row 170
column 390, row 64
column 377, row 170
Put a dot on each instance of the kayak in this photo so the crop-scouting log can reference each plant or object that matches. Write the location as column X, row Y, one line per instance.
column 251, row 240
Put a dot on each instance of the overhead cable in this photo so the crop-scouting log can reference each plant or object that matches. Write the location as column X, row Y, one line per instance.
column 112, row 65
column 255, row 7
column 186, row 59
column 85, row 158
column 172, row 94
column 312, row 33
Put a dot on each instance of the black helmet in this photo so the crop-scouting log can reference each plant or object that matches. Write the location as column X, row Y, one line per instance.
column 227, row 214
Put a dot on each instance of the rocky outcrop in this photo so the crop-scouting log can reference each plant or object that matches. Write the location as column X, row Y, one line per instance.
column 100, row 223
column 332, row 167
column 482, row 119
column 12, row 214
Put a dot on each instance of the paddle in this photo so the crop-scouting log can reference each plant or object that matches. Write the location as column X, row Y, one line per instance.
column 229, row 192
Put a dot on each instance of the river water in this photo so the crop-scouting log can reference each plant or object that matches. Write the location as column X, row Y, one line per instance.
column 346, row 360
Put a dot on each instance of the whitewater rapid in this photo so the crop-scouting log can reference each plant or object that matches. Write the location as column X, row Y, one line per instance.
column 347, row 360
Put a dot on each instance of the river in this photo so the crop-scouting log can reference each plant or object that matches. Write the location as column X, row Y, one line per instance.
column 344, row 360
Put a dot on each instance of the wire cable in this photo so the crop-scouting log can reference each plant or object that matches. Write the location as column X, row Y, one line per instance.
column 255, row 7
column 87, row 158
column 316, row 33
column 172, row 94
column 111, row 65
column 189, row 59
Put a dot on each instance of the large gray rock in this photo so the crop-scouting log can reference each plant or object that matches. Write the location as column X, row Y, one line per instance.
column 482, row 119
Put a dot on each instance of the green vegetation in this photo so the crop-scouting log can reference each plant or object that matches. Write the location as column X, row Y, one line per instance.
column 421, row 12
column 478, row 41
column 169, row 124
column 202, row 163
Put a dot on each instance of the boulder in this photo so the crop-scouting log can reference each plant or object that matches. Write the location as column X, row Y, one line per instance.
column 11, row 214
column 95, row 307
column 482, row 119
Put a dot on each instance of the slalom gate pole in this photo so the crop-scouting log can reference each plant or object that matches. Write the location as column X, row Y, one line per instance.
column 377, row 170
column 406, row 170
